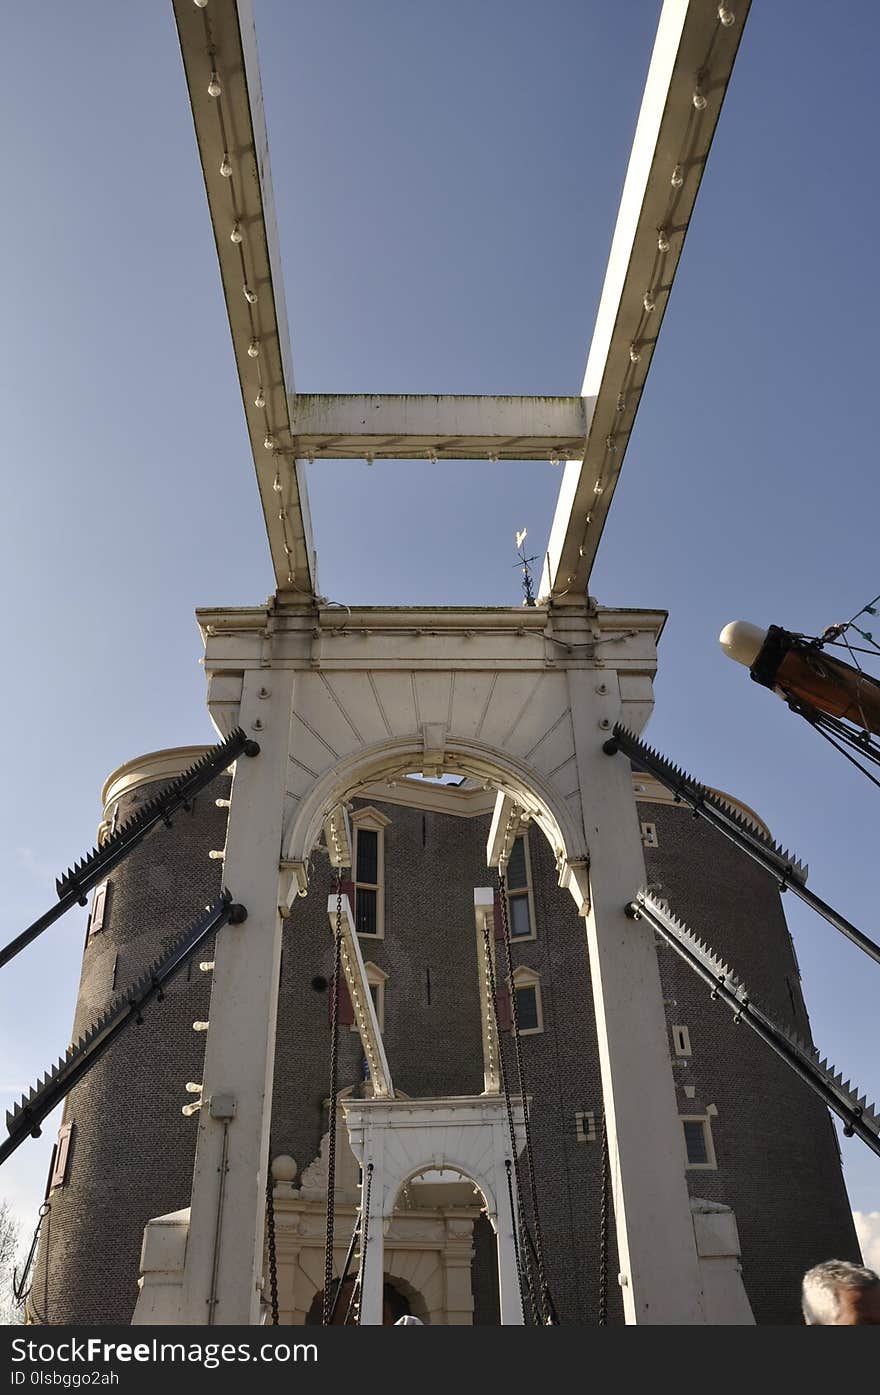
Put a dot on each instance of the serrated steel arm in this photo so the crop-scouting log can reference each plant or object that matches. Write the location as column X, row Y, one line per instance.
column 859, row 1117
column 24, row 1118
column 91, row 869
column 775, row 859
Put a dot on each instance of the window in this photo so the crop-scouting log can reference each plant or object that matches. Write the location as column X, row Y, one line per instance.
column 376, row 980
column 369, row 872
column 681, row 1041
column 99, row 902
column 520, row 907
column 59, row 1162
column 585, row 1126
column 649, row 835
column 529, row 1013
column 699, row 1150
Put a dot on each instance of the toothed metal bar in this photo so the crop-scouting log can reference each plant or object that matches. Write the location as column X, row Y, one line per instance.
column 25, row 1118
column 778, row 861
column 859, row 1117
column 80, row 878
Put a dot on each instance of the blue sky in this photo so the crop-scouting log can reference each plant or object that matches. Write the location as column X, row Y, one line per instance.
column 447, row 178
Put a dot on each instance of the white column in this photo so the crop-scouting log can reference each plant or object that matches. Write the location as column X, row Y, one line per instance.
column 224, row 1258
column 503, row 1222
column 660, row 1275
column 372, row 1274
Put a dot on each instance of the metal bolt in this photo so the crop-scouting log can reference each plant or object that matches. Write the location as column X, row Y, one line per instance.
column 605, row 723
column 602, row 688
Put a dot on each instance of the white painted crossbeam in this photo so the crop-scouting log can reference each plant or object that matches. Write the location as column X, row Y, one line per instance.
column 412, row 426
column 362, row 1000
column 691, row 64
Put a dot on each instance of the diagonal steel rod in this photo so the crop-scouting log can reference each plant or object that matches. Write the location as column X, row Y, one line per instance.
column 780, row 865
column 761, row 1025
column 25, row 1118
column 92, row 869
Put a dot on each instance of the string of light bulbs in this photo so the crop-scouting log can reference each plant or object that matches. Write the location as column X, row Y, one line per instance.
column 629, row 392
column 237, row 237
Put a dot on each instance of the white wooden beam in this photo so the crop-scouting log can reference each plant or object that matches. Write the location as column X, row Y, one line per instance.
column 409, row 426
column 691, row 64
column 220, row 39
column 484, row 909
column 362, row 1000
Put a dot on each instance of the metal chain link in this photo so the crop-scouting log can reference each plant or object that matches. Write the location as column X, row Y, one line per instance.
column 523, row 1265
column 327, row 1304
column 365, row 1236
column 270, row 1230
column 603, row 1230
column 19, row 1291
column 546, row 1304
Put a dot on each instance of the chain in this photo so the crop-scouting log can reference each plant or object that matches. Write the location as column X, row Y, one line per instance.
column 331, row 1131
column 365, row 1236
column 19, row 1292
column 546, row 1303
column 270, row 1229
column 603, row 1230
column 523, row 1265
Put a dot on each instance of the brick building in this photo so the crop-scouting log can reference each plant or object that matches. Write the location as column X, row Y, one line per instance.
column 753, row 1137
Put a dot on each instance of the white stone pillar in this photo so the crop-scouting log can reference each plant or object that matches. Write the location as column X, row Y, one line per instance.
column 224, row 1257
column 660, row 1275
column 503, row 1223
column 372, row 1273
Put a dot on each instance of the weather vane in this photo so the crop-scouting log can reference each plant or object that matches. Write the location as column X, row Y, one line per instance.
column 528, row 594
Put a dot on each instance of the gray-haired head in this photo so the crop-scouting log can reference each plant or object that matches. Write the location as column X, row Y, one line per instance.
column 820, row 1292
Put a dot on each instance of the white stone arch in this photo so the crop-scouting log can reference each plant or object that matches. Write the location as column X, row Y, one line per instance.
column 538, row 799
column 396, row 1140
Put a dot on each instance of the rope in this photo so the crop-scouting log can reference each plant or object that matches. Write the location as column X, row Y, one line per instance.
column 270, row 1228
column 523, row 1269
column 327, row 1304
column 603, row 1230
column 546, row 1302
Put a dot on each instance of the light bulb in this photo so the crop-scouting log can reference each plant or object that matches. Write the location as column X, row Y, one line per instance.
column 634, row 353
column 193, row 1087
column 269, row 442
column 726, row 16
column 621, row 402
column 236, row 234
column 609, row 443
column 214, row 88
column 189, row 1109
column 648, row 302
column 597, row 488
column 662, row 241
column 260, row 400
column 225, row 166
column 368, row 458
column 554, row 459
column 677, row 177
column 201, row 4
column 254, row 349
column 432, row 457
column 276, row 484
column 699, row 99
column 206, row 966
column 249, row 295
column 200, row 1026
